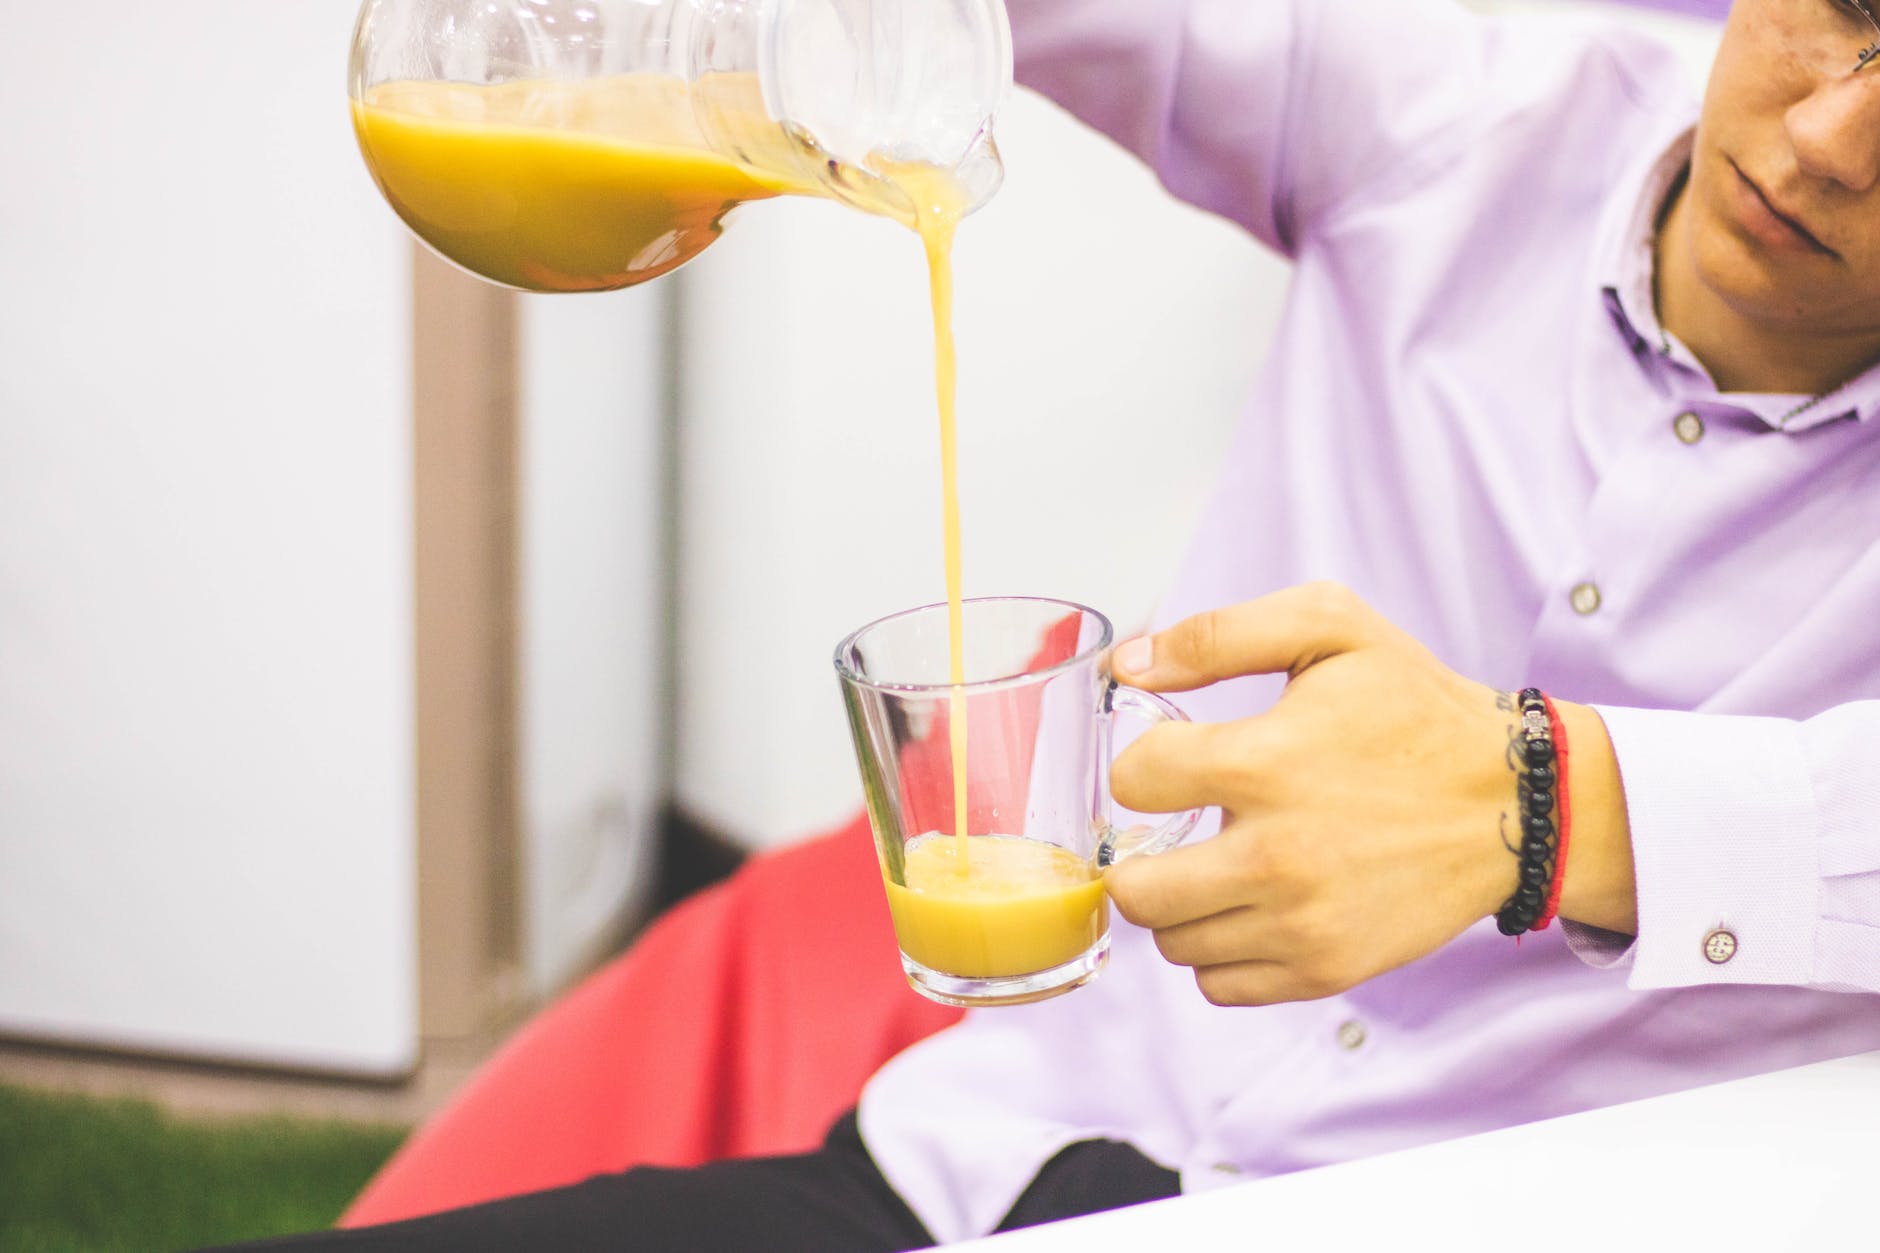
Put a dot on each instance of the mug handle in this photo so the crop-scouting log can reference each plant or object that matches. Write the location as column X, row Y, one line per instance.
column 1142, row 840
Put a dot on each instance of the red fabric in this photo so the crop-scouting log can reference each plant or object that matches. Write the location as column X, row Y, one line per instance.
column 999, row 750
column 743, row 1022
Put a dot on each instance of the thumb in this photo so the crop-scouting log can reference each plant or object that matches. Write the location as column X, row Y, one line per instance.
column 1286, row 631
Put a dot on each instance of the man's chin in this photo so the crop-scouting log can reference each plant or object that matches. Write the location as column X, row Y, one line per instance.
column 1754, row 285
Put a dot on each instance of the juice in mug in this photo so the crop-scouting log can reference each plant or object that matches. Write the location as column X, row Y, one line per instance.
column 1022, row 915
column 1011, row 906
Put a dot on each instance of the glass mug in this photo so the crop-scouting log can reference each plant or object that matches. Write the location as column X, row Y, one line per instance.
column 585, row 145
column 1008, row 907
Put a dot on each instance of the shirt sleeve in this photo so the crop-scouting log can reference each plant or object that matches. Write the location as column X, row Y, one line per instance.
column 1756, row 847
column 1271, row 113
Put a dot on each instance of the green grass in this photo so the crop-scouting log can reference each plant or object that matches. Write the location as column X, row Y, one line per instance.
column 77, row 1173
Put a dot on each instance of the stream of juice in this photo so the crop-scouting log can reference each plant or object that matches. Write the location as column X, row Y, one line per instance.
column 591, row 185
column 936, row 233
column 939, row 204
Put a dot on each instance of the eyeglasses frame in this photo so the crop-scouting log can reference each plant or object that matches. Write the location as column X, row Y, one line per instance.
column 1871, row 52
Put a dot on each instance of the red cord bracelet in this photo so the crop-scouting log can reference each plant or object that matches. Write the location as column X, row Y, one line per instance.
column 1566, row 819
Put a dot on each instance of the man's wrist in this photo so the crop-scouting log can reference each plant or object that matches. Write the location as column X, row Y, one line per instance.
column 1598, row 888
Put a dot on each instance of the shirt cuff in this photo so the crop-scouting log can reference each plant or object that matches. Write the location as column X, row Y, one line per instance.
column 1725, row 850
column 1599, row 948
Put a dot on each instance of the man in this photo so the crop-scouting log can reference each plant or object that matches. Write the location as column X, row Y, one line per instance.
column 1566, row 396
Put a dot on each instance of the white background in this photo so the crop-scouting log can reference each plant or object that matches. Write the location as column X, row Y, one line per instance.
column 592, row 629
column 206, row 715
column 206, row 810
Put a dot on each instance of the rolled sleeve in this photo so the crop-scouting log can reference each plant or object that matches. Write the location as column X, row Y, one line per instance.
column 1200, row 90
column 1270, row 113
column 1756, row 849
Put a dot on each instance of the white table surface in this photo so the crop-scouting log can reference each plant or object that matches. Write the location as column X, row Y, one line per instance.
column 1789, row 1160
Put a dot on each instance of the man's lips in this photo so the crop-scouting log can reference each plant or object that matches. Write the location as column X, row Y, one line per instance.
column 1779, row 230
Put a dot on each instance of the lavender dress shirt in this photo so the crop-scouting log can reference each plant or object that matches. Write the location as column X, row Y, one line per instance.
column 1473, row 418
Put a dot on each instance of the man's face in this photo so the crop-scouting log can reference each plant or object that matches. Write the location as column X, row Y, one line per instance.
column 1785, row 181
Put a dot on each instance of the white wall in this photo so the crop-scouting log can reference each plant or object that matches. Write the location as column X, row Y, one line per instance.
column 592, row 636
column 206, row 809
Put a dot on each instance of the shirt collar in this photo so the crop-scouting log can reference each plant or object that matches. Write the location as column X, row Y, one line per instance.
column 1624, row 257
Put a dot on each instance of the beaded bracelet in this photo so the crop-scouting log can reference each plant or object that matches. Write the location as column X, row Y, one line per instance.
column 1535, row 788
column 1559, row 730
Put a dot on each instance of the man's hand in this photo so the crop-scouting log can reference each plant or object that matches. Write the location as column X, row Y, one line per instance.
column 1363, row 816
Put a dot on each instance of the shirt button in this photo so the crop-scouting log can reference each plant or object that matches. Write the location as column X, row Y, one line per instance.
column 1688, row 427
column 1351, row 1035
column 1584, row 598
column 1719, row 946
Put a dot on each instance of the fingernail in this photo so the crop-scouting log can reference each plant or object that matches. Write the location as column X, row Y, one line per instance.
column 1137, row 656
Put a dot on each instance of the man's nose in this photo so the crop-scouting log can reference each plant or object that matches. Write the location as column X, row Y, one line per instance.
column 1835, row 130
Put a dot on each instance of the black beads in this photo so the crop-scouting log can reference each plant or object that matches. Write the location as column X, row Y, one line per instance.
column 1534, row 792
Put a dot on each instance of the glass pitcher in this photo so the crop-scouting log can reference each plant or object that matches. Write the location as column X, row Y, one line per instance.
column 586, row 145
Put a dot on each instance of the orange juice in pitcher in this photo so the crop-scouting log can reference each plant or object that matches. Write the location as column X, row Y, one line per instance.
column 586, row 145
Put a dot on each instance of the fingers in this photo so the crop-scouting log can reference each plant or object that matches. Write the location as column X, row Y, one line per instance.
column 1248, row 955
column 1179, row 886
column 1286, row 631
column 1259, row 983
column 1173, row 766
column 1222, row 939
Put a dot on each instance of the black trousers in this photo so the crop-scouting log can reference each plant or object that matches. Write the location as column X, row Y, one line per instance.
column 833, row 1200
